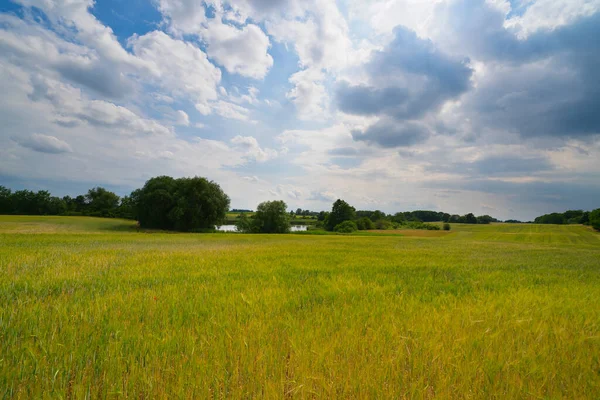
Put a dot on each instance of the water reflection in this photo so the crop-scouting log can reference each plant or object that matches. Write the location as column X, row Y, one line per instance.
column 232, row 228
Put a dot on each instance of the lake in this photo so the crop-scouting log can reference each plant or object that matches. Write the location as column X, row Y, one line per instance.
column 232, row 228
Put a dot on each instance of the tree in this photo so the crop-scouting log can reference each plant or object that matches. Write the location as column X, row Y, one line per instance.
column 470, row 219
column 484, row 219
column 595, row 219
column 243, row 223
column 340, row 212
column 102, row 202
column 271, row 217
column 183, row 204
column 199, row 204
column 6, row 205
column 345, row 227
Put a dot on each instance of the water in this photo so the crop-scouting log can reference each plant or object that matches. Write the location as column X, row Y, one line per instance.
column 232, row 228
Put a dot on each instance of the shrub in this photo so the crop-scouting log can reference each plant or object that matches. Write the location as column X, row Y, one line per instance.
column 365, row 224
column 345, row 227
column 446, row 226
column 383, row 224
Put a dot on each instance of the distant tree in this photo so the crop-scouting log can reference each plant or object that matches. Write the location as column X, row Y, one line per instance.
column 595, row 219
column 585, row 218
column 470, row 219
column 345, row 227
column 553, row 218
column 6, row 204
column 243, row 223
column 340, row 212
column 484, row 219
column 398, row 218
column 454, row 218
column 377, row 215
column 271, row 217
column 102, row 202
column 322, row 215
column 299, row 211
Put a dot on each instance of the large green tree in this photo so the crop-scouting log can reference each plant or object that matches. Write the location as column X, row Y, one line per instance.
column 340, row 212
column 184, row 204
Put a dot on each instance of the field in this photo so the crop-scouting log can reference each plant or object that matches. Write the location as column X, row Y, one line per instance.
column 90, row 308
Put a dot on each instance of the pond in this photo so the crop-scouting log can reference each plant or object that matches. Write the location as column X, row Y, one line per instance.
column 232, row 228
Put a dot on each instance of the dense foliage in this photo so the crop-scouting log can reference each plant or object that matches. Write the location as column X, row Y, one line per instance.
column 568, row 217
column 97, row 202
column 340, row 212
column 595, row 219
column 345, row 227
column 270, row 217
column 184, row 204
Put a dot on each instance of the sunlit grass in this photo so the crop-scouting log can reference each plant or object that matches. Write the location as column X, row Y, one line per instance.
column 498, row 311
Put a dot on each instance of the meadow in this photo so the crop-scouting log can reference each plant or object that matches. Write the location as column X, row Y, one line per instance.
column 91, row 308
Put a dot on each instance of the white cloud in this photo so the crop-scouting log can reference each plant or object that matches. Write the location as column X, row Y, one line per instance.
column 177, row 66
column 309, row 95
column 241, row 51
column 44, row 144
column 249, row 145
column 550, row 14
column 231, row 111
column 182, row 118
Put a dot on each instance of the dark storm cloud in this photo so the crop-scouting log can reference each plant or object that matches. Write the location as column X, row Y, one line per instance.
column 417, row 78
column 390, row 133
column 545, row 85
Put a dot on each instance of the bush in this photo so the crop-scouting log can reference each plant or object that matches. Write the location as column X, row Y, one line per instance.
column 446, row 226
column 383, row 224
column 365, row 224
column 345, row 227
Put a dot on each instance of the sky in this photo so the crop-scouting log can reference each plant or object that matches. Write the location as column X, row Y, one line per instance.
column 490, row 107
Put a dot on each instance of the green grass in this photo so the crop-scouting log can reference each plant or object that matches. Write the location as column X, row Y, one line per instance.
column 91, row 308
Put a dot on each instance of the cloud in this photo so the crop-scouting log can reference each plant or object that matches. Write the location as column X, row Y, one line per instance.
column 178, row 67
column 249, row 145
column 389, row 133
column 44, row 144
column 409, row 78
column 309, row 95
column 182, row 118
column 498, row 165
column 541, row 86
column 231, row 111
column 241, row 51
column 325, row 197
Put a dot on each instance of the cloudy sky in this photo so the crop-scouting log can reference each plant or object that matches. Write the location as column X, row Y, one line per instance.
column 491, row 107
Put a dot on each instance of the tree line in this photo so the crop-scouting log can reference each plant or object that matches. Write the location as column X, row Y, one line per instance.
column 97, row 202
column 197, row 204
column 591, row 218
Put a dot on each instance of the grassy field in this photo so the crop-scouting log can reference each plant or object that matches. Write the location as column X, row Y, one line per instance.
column 92, row 308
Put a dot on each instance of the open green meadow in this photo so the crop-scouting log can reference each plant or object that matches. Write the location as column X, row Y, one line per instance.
column 91, row 308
